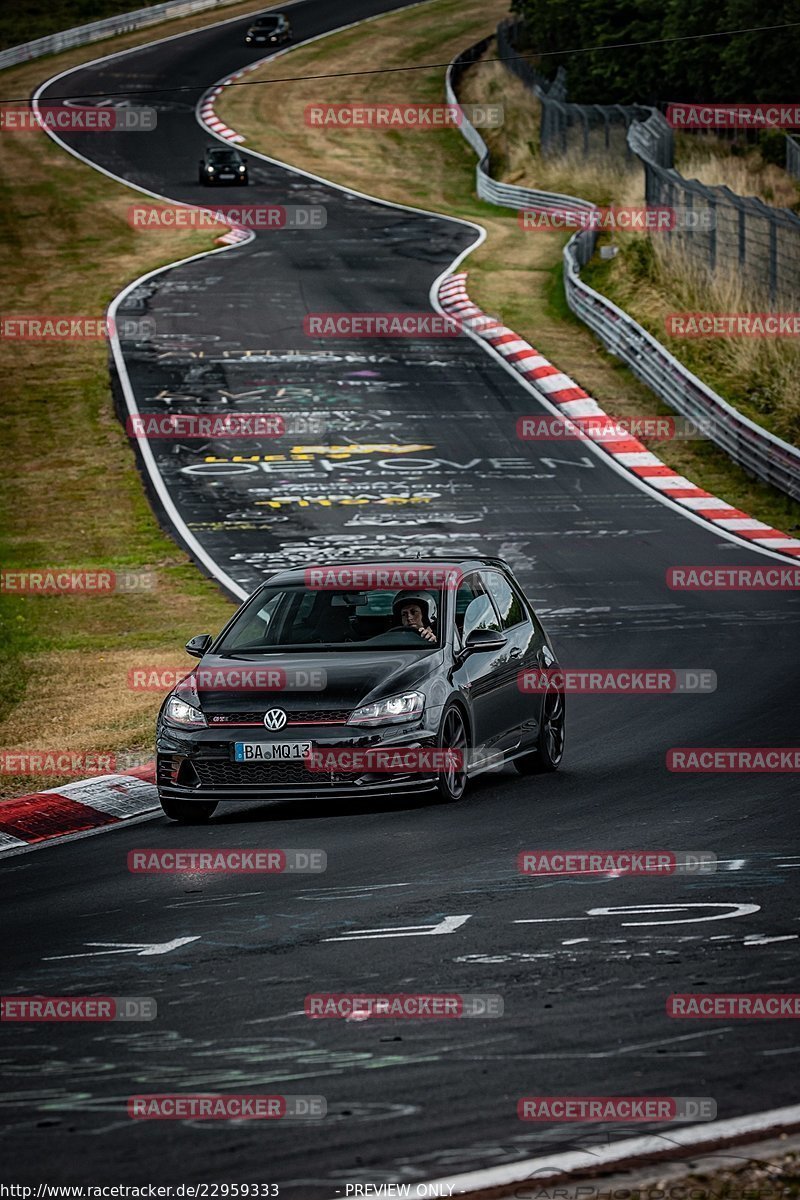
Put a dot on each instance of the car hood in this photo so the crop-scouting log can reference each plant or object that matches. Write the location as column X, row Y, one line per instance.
column 305, row 681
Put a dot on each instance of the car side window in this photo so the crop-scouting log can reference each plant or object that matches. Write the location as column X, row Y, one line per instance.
column 480, row 614
column 507, row 601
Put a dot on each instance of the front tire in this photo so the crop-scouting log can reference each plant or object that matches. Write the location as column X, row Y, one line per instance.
column 188, row 812
column 451, row 782
column 550, row 744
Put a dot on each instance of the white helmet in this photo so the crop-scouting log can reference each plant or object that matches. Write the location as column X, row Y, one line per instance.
column 424, row 599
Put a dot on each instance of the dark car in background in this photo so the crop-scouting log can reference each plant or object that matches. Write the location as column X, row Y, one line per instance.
column 304, row 675
column 269, row 30
column 222, row 165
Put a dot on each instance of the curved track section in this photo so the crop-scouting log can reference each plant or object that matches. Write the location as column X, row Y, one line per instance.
column 419, row 451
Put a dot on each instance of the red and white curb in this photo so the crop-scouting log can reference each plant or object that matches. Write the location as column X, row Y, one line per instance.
column 679, row 1143
column 626, row 451
column 76, row 808
column 205, row 108
column 211, row 119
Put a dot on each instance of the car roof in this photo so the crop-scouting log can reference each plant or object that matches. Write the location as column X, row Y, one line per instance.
column 465, row 565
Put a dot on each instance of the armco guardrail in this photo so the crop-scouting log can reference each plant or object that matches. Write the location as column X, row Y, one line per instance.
column 493, row 190
column 760, row 452
column 83, row 35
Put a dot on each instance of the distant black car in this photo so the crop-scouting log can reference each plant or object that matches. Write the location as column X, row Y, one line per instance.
column 269, row 30
column 222, row 165
column 303, row 669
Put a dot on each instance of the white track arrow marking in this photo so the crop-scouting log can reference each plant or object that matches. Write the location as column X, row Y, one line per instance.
column 142, row 949
column 446, row 925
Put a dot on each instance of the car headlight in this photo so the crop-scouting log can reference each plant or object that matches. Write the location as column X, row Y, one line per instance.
column 210, row 170
column 242, row 169
column 183, row 707
column 390, row 711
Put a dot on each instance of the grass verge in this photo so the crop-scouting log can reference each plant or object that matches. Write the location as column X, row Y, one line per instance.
column 71, row 495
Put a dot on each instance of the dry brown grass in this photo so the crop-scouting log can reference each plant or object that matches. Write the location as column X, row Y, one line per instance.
column 709, row 160
column 515, row 147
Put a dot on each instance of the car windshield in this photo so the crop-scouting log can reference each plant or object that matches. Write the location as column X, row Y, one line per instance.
column 266, row 23
column 307, row 618
column 223, row 156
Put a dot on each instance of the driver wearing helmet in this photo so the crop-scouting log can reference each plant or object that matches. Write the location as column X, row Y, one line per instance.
column 416, row 611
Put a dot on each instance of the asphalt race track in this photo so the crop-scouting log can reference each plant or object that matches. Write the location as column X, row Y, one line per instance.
column 584, row 965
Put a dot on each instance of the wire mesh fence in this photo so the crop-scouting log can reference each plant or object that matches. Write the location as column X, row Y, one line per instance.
column 740, row 235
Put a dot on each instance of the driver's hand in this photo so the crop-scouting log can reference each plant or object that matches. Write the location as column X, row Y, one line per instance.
column 427, row 634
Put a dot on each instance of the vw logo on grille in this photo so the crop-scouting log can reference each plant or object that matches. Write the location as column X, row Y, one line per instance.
column 275, row 719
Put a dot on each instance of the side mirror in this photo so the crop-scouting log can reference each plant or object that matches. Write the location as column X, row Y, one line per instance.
column 197, row 646
column 484, row 639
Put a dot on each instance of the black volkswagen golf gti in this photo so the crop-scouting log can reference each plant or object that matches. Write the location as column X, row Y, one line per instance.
column 363, row 680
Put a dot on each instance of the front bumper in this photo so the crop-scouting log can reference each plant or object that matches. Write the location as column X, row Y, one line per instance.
column 199, row 764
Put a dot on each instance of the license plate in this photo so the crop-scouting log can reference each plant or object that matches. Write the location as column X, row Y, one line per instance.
column 271, row 751
column 227, row 175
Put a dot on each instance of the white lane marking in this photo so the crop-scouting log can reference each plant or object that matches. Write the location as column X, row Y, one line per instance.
column 142, row 949
column 446, row 925
column 760, row 939
column 664, row 1146
column 7, row 842
column 737, row 910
